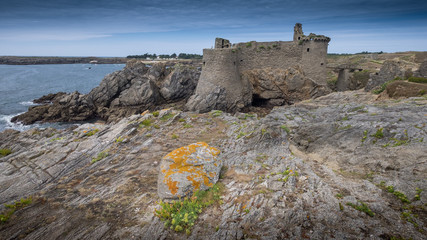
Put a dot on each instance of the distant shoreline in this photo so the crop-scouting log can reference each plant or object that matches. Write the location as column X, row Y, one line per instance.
column 14, row 60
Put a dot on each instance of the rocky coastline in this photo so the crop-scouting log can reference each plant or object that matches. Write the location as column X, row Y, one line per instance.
column 333, row 165
column 14, row 60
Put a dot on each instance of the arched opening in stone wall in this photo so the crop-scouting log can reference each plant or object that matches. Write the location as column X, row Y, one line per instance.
column 257, row 101
column 308, row 49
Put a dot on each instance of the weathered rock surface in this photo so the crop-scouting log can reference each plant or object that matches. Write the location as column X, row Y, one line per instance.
column 278, row 86
column 399, row 89
column 132, row 90
column 290, row 174
column 422, row 71
column 389, row 70
column 267, row 86
column 188, row 169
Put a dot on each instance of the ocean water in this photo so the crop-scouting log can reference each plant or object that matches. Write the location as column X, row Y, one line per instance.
column 21, row 84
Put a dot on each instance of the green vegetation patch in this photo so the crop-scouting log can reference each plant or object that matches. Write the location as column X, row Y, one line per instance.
column 384, row 86
column 145, row 123
column 378, row 134
column 365, row 135
column 156, row 114
column 287, row 130
column 167, row 116
column 182, row 215
column 92, row 132
column 398, row 194
column 100, row 156
column 362, row 207
column 216, row 113
column 4, row 152
column 249, row 44
column 417, row 79
column 418, row 194
column 11, row 208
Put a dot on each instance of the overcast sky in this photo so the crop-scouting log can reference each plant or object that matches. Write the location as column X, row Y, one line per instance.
column 121, row 28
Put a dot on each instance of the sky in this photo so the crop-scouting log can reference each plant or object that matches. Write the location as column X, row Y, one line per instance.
column 121, row 28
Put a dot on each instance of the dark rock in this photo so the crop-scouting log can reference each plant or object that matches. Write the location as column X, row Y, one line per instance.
column 422, row 71
column 389, row 71
column 51, row 97
column 132, row 90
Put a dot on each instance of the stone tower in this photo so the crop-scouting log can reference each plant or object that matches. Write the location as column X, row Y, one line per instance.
column 298, row 33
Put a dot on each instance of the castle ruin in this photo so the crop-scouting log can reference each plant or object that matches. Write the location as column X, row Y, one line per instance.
column 222, row 84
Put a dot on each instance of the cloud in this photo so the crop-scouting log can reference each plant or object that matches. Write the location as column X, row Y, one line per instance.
column 59, row 36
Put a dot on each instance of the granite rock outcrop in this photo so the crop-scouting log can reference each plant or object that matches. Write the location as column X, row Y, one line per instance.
column 187, row 169
column 132, row 90
column 297, row 173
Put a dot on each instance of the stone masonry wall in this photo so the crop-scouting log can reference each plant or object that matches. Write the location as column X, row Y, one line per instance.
column 224, row 65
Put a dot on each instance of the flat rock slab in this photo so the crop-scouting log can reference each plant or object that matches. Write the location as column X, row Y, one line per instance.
column 188, row 169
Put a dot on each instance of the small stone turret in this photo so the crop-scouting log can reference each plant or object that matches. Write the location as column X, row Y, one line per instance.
column 222, row 43
column 298, row 33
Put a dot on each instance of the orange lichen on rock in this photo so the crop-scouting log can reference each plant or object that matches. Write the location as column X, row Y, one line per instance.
column 190, row 168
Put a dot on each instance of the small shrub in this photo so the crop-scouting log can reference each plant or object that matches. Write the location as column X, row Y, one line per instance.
column 249, row 44
column 417, row 79
column 145, row 123
column 119, row 139
column 174, row 136
column 182, row 215
column 187, row 125
column 422, row 92
column 100, row 156
column 181, row 120
column 378, row 134
column 156, row 114
column 5, row 151
column 363, row 207
column 261, row 47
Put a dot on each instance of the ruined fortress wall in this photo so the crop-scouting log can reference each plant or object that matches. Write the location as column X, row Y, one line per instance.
column 279, row 54
column 314, row 55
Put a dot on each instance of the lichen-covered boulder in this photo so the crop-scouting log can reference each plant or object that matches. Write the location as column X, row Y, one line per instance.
column 188, row 169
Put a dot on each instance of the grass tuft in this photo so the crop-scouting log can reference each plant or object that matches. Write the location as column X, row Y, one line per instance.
column 363, row 207
column 100, row 156
column 5, row 151
column 11, row 208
